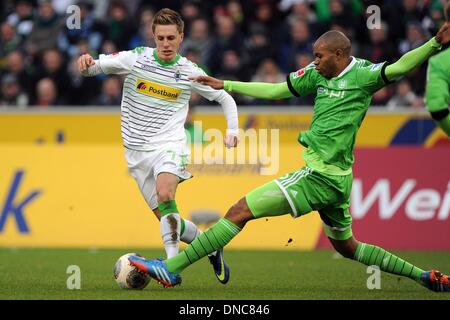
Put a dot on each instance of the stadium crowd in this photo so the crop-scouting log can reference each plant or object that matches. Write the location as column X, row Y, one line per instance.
column 246, row 40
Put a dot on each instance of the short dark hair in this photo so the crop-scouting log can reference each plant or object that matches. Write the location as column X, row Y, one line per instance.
column 168, row 16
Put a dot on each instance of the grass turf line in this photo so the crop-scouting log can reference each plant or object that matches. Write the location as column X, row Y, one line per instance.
column 41, row 274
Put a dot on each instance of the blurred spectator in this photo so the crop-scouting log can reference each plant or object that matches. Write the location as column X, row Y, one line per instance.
column 415, row 37
column 189, row 12
column 198, row 39
column 337, row 12
column 11, row 92
column 227, row 38
column 60, row 6
column 9, row 41
column 145, row 36
column 90, row 31
column 404, row 97
column 268, row 71
column 382, row 97
column 22, row 18
column 235, row 11
column 83, row 90
column 233, row 67
column 108, row 47
column 379, row 49
column 111, row 94
column 119, row 27
column 302, row 59
column 46, row 94
column 436, row 18
column 15, row 64
column 46, row 27
column 299, row 42
column 54, row 67
column 301, row 11
column 398, row 14
column 258, row 48
column 266, row 19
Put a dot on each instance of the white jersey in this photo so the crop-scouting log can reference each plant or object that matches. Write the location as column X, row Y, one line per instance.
column 155, row 97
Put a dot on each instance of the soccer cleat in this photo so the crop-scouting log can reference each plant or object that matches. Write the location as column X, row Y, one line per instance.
column 436, row 281
column 157, row 270
column 220, row 267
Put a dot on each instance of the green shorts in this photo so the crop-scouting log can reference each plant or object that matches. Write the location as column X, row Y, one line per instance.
column 303, row 191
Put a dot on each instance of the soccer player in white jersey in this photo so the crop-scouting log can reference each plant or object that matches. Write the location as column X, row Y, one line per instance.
column 154, row 106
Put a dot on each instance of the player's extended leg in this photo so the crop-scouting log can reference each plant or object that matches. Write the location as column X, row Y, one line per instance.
column 267, row 200
column 386, row 261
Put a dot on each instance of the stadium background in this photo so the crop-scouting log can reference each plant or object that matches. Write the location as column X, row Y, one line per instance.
column 64, row 181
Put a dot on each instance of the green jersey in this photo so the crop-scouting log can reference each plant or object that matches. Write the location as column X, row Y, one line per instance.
column 437, row 96
column 339, row 108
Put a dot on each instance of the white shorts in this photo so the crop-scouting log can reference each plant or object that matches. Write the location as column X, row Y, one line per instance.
column 145, row 166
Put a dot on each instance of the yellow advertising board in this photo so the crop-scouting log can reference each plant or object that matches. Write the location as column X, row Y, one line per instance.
column 377, row 130
column 64, row 180
column 82, row 196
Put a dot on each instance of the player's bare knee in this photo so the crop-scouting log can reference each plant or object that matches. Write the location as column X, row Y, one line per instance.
column 346, row 252
column 346, row 248
column 239, row 213
column 165, row 195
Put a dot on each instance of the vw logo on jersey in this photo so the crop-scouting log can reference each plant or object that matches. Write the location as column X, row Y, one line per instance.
column 177, row 75
column 342, row 84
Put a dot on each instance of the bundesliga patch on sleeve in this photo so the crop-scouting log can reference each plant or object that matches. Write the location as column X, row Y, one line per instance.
column 299, row 73
column 112, row 54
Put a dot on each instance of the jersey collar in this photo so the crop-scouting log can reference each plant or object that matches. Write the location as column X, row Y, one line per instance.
column 347, row 69
column 164, row 63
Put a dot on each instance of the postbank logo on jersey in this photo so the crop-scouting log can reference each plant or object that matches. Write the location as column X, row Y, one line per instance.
column 157, row 90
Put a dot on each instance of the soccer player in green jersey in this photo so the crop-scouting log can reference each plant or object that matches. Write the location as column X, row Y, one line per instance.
column 437, row 97
column 343, row 86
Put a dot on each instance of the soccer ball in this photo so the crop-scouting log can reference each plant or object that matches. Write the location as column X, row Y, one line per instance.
column 127, row 276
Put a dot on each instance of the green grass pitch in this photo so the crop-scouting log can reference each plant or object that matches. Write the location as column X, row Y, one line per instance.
column 255, row 275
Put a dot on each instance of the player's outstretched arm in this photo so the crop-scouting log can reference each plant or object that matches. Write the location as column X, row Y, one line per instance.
column 259, row 90
column 416, row 57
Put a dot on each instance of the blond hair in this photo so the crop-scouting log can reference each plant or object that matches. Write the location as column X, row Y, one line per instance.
column 168, row 16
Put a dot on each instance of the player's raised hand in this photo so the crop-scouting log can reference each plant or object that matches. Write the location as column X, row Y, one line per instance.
column 84, row 62
column 209, row 81
column 443, row 35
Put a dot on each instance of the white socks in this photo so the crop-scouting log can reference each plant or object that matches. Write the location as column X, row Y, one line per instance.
column 170, row 227
column 190, row 232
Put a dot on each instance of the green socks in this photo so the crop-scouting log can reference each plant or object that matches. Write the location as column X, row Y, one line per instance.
column 211, row 240
column 373, row 255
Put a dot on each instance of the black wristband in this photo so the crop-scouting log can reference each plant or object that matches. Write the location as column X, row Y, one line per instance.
column 439, row 115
